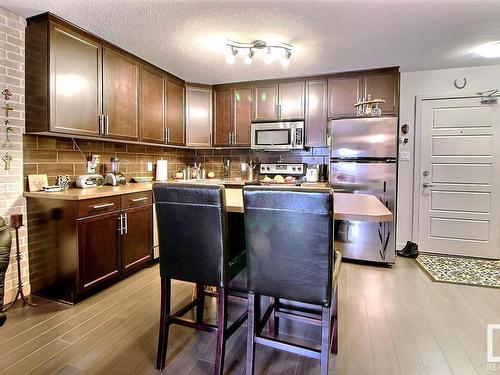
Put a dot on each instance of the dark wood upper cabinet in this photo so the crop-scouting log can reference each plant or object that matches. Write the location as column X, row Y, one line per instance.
column 223, row 124
column 99, row 240
column 291, row 100
column 137, row 238
column 316, row 120
column 242, row 115
column 343, row 92
column 174, row 119
column 151, row 111
column 383, row 85
column 120, row 97
column 265, row 102
column 75, row 71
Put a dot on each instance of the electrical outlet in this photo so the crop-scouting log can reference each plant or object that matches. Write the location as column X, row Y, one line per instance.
column 150, row 166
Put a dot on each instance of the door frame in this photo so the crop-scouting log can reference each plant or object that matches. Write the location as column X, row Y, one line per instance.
column 417, row 153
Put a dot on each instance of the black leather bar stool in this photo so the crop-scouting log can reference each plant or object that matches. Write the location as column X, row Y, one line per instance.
column 289, row 244
column 194, row 247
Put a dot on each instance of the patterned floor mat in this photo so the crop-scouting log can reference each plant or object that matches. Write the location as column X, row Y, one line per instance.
column 461, row 270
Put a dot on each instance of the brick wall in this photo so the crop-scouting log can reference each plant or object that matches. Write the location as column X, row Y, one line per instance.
column 11, row 181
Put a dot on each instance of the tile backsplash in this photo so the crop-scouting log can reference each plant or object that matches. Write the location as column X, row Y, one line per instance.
column 66, row 156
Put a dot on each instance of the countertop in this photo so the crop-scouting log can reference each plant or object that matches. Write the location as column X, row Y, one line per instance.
column 362, row 207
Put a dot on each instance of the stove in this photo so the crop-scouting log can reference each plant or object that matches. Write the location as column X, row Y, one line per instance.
column 296, row 170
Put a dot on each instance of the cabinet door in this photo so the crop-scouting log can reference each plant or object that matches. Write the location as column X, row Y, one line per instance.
column 75, row 83
column 242, row 115
column 316, row 113
column 343, row 93
column 175, row 113
column 151, row 106
column 120, row 86
column 382, row 85
column 291, row 100
column 137, row 246
column 198, row 116
column 223, row 126
column 98, row 244
column 265, row 102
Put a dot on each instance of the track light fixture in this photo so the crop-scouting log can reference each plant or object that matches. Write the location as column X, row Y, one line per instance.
column 273, row 50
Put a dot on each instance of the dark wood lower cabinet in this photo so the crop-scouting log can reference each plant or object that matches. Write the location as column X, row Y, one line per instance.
column 137, row 237
column 77, row 248
column 99, row 250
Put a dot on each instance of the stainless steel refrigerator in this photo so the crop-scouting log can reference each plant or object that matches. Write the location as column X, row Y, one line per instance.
column 363, row 159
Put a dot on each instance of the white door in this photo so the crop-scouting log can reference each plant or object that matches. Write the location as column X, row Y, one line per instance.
column 459, row 184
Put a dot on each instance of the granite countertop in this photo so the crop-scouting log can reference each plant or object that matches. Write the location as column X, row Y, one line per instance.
column 107, row 191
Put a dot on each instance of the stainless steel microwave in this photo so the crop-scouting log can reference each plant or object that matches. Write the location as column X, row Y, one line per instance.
column 277, row 136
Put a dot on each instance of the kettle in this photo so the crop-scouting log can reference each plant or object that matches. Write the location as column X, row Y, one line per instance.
column 312, row 173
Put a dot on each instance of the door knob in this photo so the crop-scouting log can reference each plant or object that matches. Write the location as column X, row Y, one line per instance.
column 427, row 185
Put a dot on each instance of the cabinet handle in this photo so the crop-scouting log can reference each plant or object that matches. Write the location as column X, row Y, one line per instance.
column 210, row 139
column 125, row 219
column 97, row 206
column 120, row 229
column 139, row 199
column 165, row 137
column 229, row 136
column 100, row 124
column 276, row 111
column 168, row 135
column 106, row 125
column 233, row 142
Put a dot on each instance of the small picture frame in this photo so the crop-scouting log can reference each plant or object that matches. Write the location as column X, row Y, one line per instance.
column 36, row 182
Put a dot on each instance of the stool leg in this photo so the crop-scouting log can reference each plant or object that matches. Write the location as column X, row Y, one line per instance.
column 274, row 322
column 221, row 330
column 325, row 340
column 251, row 334
column 200, row 306
column 335, row 323
column 164, row 323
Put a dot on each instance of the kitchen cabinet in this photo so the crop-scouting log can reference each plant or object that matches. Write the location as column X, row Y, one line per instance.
column 345, row 90
column 266, row 102
column 223, row 124
column 78, row 247
column 316, row 120
column 291, row 100
column 120, row 98
column 279, row 101
column 232, row 117
column 152, row 103
column 174, row 119
column 76, row 82
column 383, row 85
column 137, row 237
column 80, row 85
column 242, row 115
column 198, row 116
column 98, row 238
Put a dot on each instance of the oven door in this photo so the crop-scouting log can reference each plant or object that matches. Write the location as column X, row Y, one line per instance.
column 274, row 136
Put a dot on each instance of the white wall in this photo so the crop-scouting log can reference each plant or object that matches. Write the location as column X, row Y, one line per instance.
column 435, row 83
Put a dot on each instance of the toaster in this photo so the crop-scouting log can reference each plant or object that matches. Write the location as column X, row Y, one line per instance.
column 115, row 178
column 89, row 180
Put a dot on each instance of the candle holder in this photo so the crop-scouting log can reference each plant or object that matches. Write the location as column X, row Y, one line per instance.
column 16, row 222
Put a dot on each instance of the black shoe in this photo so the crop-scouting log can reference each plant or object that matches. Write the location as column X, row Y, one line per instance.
column 409, row 251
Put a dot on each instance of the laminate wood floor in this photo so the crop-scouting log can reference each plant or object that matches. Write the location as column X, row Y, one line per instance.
column 392, row 321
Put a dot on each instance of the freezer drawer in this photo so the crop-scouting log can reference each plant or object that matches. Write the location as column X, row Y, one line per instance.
column 364, row 138
column 364, row 240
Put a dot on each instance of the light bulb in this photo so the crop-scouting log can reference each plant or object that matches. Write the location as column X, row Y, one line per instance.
column 268, row 58
column 248, row 58
column 285, row 60
column 230, row 55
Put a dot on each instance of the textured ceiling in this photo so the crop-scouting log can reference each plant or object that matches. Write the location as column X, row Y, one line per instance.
column 186, row 38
